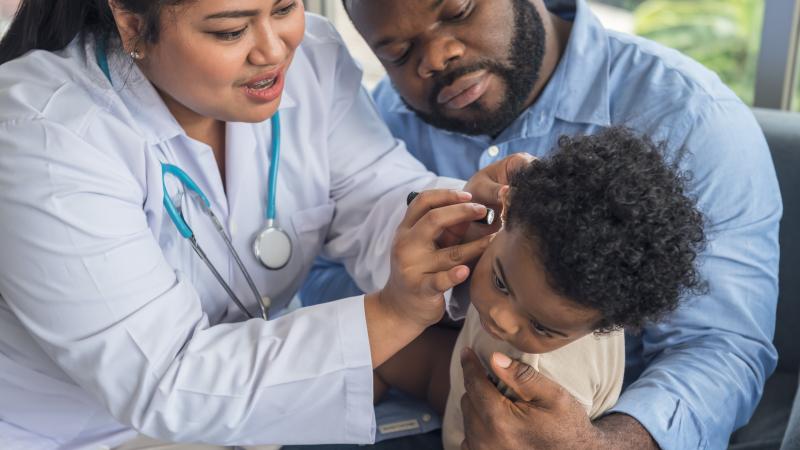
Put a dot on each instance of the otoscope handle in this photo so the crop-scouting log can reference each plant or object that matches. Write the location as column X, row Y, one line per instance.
column 488, row 219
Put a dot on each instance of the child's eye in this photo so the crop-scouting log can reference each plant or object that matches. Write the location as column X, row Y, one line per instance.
column 538, row 329
column 498, row 284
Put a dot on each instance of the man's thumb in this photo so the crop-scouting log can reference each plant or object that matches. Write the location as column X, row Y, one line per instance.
column 528, row 383
column 516, row 162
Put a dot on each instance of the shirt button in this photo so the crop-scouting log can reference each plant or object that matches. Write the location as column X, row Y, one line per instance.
column 426, row 417
column 493, row 151
column 232, row 227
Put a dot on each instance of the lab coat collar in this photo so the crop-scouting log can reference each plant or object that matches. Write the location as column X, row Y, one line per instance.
column 153, row 118
column 577, row 90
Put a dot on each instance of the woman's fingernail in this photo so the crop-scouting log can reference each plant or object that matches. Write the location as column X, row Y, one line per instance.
column 464, row 196
column 502, row 360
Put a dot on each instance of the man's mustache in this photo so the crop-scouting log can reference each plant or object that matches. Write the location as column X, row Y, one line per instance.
column 446, row 79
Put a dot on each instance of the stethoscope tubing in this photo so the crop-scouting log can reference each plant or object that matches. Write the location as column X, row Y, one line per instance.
column 186, row 231
column 273, row 167
column 183, row 227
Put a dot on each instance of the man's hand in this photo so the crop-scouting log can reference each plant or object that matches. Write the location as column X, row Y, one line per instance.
column 486, row 187
column 545, row 417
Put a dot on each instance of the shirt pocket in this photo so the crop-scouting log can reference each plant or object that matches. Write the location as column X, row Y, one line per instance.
column 311, row 226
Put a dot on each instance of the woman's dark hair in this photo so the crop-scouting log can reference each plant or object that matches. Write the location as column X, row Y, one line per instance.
column 52, row 24
column 612, row 225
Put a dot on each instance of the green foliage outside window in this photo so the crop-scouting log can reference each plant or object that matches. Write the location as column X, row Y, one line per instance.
column 723, row 35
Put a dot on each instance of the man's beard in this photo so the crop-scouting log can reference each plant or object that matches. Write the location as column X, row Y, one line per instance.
column 520, row 76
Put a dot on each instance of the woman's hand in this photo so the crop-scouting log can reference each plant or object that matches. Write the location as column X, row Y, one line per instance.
column 421, row 270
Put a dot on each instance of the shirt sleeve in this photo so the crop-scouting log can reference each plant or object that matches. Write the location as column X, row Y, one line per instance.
column 82, row 271
column 707, row 363
column 327, row 281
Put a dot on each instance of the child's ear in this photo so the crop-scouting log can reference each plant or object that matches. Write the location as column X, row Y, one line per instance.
column 504, row 202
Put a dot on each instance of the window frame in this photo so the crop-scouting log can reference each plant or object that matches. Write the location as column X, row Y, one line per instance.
column 776, row 74
column 777, row 70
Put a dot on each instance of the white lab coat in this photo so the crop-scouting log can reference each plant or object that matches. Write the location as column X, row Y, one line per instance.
column 109, row 321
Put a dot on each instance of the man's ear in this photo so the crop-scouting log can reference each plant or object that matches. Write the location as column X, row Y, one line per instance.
column 130, row 26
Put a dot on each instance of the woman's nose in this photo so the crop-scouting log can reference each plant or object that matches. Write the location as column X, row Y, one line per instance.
column 438, row 55
column 268, row 48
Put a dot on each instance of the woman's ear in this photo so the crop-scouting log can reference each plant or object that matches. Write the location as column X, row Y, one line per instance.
column 130, row 27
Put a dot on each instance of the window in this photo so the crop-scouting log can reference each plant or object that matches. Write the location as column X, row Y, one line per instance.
column 373, row 70
column 796, row 99
column 7, row 9
column 723, row 35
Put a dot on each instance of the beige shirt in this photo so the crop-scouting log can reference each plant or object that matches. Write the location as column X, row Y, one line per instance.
column 590, row 369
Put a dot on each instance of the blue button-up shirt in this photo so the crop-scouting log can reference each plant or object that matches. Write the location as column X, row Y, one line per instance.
column 695, row 377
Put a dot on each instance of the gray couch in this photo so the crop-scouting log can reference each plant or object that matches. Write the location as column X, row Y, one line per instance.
column 766, row 428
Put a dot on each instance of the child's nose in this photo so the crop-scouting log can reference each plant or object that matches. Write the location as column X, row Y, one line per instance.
column 506, row 320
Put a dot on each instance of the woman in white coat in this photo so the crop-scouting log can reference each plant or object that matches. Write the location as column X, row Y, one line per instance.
column 110, row 323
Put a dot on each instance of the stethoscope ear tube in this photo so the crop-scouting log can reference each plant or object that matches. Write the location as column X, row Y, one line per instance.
column 257, row 295
column 228, row 290
column 183, row 228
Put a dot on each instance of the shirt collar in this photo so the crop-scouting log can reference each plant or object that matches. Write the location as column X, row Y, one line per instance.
column 585, row 66
column 153, row 118
column 577, row 90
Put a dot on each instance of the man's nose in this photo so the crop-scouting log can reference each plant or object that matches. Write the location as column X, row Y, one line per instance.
column 438, row 54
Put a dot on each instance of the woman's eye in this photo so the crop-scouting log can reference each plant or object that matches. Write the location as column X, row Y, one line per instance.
column 540, row 329
column 229, row 35
column 286, row 10
column 498, row 284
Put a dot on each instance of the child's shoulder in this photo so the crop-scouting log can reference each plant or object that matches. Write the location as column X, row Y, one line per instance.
column 591, row 369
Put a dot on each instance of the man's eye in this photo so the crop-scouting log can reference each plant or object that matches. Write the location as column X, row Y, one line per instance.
column 538, row 329
column 462, row 13
column 229, row 35
column 402, row 59
column 498, row 284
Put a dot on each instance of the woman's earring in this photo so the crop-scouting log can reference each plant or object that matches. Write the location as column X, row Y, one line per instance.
column 136, row 54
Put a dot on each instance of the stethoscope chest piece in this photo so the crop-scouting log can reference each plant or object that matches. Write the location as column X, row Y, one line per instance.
column 273, row 247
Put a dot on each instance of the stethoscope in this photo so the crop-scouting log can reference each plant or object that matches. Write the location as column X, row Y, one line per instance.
column 272, row 246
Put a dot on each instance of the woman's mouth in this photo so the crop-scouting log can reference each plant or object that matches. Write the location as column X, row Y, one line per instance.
column 265, row 88
column 263, row 84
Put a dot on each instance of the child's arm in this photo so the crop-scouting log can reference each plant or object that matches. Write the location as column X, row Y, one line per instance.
column 421, row 369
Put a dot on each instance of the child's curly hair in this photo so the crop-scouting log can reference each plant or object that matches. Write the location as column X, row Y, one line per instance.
column 612, row 225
